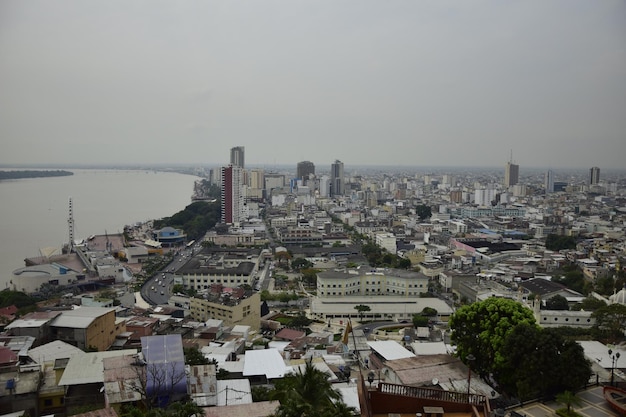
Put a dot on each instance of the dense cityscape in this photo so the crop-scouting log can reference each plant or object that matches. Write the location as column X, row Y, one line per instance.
column 395, row 291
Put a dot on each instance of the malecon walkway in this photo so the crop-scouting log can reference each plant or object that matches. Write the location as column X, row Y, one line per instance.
column 593, row 404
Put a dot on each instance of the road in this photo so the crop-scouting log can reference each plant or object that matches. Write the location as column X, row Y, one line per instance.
column 158, row 289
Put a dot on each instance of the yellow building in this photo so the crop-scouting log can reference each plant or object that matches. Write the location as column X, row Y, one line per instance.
column 235, row 311
column 88, row 328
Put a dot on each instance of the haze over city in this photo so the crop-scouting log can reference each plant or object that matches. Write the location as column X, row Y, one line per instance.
column 366, row 82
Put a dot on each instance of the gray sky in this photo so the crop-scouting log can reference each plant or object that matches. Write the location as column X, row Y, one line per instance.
column 413, row 82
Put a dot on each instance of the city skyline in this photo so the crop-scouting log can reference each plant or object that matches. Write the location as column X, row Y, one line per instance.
column 368, row 83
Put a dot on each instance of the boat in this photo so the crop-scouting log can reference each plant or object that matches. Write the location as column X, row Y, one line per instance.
column 616, row 397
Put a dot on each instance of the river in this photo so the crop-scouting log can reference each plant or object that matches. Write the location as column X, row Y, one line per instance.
column 34, row 212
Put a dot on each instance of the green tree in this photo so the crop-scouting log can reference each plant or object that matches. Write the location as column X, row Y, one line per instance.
column 481, row 329
column 307, row 393
column 605, row 285
column 589, row 304
column 423, row 212
column 540, row 362
column 420, row 320
column 362, row 308
column 429, row 312
column 193, row 356
column 301, row 263
column 568, row 399
column 611, row 321
column 558, row 242
column 574, row 279
column 260, row 393
column 557, row 302
column 196, row 219
column 309, row 276
column 300, row 321
column 282, row 257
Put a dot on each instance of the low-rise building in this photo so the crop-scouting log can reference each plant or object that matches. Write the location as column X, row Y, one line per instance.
column 366, row 281
column 233, row 310
column 87, row 327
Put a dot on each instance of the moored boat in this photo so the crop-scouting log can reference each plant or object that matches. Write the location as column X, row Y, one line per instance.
column 616, row 397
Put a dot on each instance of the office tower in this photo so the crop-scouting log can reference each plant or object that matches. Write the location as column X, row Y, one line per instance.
column 232, row 194
column 594, row 176
column 549, row 182
column 236, row 156
column 324, row 186
column 511, row 174
column 304, row 170
column 484, row 196
column 337, row 186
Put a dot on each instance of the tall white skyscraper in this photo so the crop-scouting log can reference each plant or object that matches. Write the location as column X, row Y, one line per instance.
column 237, row 156
column 337, row 182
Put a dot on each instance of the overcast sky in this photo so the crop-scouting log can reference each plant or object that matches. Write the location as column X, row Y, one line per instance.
column 415, row 83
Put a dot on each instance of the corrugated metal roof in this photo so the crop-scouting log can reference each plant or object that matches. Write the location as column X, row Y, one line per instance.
column 79, row 318
column 88, row 368
column 52, row 351
column 390, row 350
column 266, row 362
column 233, row 392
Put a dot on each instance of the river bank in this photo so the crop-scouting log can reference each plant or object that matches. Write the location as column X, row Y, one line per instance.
column 36, row 211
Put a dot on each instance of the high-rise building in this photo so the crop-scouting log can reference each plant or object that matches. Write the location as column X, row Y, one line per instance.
column 549, row 182
column 337, row 184
column 232, row 210
column 594, row 175
column 236, row 156
column 511, row 174
column 304, row 170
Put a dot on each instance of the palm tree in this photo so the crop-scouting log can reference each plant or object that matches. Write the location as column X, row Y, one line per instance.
column 568, row 399
column 307, row 393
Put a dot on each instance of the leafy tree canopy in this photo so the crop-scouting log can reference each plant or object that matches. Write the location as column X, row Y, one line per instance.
column 419, row 320
column 558, row 242
column 423, row 212
column 611, row 321
column 558, row 302
column 589, row 304
column 17, row 298
column 481, row 329
column 196, row 219
column 574, row 279
column 540, row 362
column 193, row 356
column 301, row 263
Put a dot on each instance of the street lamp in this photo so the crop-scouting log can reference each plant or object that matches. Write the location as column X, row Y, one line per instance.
column 614, row 359
column 469, row 358
column 370, row 378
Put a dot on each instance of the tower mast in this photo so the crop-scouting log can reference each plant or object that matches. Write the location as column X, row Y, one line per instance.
column 70, row 226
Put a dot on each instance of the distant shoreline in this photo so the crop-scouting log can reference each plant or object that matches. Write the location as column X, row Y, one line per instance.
column 18, row 175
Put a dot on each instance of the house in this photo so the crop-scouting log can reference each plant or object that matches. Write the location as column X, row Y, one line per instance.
column 87, row 327
column 83, row 379
column 35, row 324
